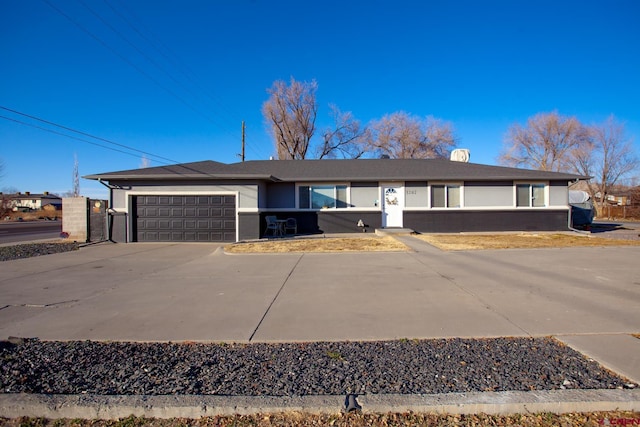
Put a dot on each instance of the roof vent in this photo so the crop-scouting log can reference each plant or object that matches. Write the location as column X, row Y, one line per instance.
column 460, row 155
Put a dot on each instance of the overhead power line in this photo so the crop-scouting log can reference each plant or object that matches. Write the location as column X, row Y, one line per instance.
column 178, row 64
column 127, row 61
column 164, row 160
column 161, row 48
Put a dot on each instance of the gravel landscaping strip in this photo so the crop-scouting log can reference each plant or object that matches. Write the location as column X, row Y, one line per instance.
column 28, row 250
column 298, row 369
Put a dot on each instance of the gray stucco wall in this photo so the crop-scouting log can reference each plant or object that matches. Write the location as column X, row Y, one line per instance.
column 558, row 193
column 488, row 194
column 281, row 195
column 416, row 195
column 455, row 221
column 249, row 226
column 248, row 192
column 118, row 227
column 315, row 222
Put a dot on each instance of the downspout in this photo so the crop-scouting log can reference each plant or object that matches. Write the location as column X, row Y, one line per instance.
column 109, row 216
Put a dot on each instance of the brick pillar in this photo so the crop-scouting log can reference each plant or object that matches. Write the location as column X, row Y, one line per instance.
column 75, row 218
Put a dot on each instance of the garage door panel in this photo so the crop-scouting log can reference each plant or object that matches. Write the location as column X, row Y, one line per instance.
column 147, row 224
column 201, row 224
column 150, row 236
column 185, row 218
column 150, row 212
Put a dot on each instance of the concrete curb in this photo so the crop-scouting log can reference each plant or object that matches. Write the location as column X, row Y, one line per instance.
column 191, row 406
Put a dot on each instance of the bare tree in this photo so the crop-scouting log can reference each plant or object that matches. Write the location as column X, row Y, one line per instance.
column 402, row 136
column 291, row 113
column 608, row 157
column 548, row 142
column 347, row 138
column 6, row 202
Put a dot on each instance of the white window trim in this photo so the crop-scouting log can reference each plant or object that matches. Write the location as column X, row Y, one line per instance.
column 322, row 184
column 531, row 184
column 445, row 184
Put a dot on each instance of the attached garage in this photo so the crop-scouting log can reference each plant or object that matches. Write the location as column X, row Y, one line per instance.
column 184, row 218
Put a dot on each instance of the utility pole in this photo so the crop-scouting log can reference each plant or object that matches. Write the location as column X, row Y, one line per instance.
column 242, row 155
column 76, row 178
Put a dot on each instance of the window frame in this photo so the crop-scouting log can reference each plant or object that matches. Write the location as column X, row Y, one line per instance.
column 335, row 186
column 446, row 186
column 531, row 185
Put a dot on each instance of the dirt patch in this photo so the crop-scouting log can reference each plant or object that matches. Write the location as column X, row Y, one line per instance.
column 329, row 244
column 465, row 242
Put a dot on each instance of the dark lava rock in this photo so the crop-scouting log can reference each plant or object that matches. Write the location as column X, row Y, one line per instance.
column 296, row 369
column 28, row 250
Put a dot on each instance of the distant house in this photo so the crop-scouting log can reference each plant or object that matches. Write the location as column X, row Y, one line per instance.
column 33, row 201
column 212, row 201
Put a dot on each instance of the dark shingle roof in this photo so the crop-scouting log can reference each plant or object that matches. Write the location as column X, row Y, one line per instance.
column 337, row 170
column 21, row 196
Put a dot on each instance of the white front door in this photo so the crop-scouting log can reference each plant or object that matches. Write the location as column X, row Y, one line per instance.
column 392, row 205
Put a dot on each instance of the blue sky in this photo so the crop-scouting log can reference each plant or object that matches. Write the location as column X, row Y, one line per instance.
column 176, row 78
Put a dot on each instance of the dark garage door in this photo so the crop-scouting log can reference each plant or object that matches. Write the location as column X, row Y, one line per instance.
column 185, row 218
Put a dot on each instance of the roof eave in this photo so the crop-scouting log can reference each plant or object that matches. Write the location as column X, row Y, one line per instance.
column 180, row 177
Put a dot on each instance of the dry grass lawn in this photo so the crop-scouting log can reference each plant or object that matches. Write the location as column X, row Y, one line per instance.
column 465, row 242
column 318, row 244
column 447, row 242
column 576, row 419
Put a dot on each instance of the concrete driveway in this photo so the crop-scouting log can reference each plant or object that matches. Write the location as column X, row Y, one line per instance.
column 183, row 292
column 196, row 292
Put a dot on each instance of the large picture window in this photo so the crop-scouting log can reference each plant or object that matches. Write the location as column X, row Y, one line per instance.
column 530, row 195
column 445, row 196
column 322, row 196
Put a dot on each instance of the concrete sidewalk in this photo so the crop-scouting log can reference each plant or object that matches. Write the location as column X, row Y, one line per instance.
column 195, row 292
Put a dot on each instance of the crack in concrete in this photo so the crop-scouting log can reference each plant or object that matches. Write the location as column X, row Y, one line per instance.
column 275, row 298
column 53, row 304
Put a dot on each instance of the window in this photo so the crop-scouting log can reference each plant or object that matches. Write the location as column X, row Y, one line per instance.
column 530, row 195
column 445, row 196
column 322, row 196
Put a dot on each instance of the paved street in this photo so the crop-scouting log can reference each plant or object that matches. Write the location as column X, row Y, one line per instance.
column 12, row 232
